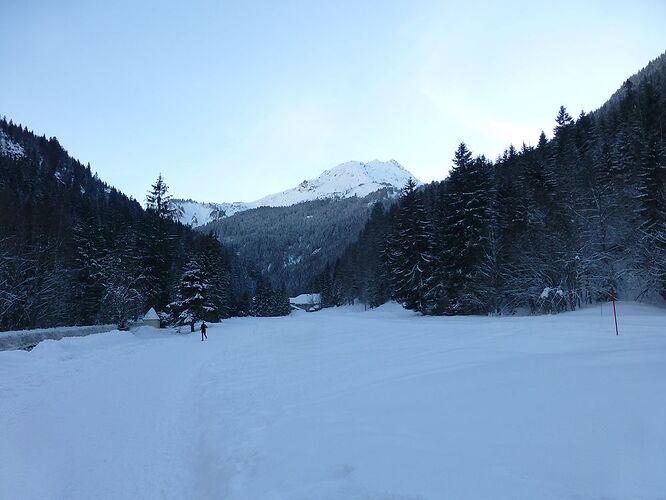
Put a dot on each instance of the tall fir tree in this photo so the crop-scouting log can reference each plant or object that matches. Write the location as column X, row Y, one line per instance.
column 192, row 301
column 468, row 205
column 409, row 252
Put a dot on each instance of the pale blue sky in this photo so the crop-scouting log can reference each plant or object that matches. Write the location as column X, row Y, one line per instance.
column 235, row 100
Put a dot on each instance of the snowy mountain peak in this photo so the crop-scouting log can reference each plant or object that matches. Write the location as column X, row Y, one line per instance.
column 353, row 178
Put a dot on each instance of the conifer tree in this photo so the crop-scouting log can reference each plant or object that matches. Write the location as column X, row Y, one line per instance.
column 192, row 301
column 468, row 203
column 215, row 266
column 158, row 200
column 409, row 252
column 262, row 302
column 156, row 241
column 88, row 277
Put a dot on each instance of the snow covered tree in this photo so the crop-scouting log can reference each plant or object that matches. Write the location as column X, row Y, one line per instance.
column 269, row 301
column 122, row 277
column 215, row 266
column 262, row 300
column 547, row 228
column 281, row 306
column 192, row 302
column 156, row 246
column 326, row 288
column 409, row 252
column 79, row 251
column 468, row 205
column 88, row 276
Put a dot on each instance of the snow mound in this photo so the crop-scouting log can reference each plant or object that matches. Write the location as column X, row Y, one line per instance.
column 19, row 339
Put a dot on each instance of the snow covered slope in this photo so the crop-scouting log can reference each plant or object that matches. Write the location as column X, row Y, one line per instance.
column 353, row 178
column 348, row 179
column 194, row 213
column 9, row 147
column 344, row 404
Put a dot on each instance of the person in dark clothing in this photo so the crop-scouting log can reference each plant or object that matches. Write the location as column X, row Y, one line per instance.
column 192, row 325
column 204, row 327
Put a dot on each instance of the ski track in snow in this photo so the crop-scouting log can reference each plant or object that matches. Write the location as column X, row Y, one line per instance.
column 377, row 405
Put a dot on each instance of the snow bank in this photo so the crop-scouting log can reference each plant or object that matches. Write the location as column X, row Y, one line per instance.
column 24, row 338
column 344, row 404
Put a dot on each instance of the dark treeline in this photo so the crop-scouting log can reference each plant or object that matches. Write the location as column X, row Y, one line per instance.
column 544, row 229
column 75, row 251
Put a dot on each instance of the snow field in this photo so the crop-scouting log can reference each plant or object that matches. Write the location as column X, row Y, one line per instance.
column 343, row 403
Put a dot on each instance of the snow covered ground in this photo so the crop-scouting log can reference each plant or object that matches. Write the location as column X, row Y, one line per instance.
column 344, row 404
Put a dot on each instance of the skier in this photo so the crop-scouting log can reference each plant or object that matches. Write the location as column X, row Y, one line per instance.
column 192, row 325
column 204, row 327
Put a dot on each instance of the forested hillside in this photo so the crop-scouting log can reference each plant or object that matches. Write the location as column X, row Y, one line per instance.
column 544, row 228
column 74, row 250
column 289, row 245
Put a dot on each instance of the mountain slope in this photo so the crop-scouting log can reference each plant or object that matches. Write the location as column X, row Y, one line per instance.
column 74, row 250
column 292, row 244
column 194, row 213
column 346, row 180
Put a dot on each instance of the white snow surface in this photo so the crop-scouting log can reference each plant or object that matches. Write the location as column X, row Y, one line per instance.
column 306, row 298
column 193, row 213
column 9, row 147
column 353, row 178
column 344, row 404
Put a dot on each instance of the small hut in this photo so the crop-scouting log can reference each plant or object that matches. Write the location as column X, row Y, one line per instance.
column 151, row 318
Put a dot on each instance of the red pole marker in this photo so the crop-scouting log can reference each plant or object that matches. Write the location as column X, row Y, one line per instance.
column 612, row 296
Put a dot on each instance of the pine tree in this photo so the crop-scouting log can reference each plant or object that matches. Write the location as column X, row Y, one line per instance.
column 281, row 306
column 121, row 274
column 563, row 120
column 262, row 302
column 326, row 287
column 159, row 201
column 192, row 301
column 376, row 286
column 468, row 203
column 408, row 255
column 156, row 241
column 216, row 268
column 88, row 276
column 652, row 188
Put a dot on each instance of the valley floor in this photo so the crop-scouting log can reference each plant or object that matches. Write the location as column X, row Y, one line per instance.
column 344, row 404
